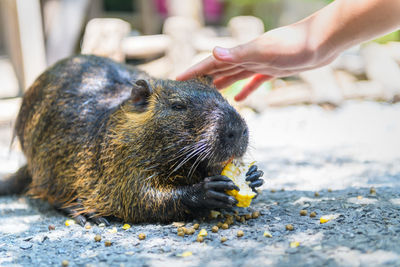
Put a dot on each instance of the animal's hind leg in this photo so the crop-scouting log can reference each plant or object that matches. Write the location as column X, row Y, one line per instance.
column 74, row 212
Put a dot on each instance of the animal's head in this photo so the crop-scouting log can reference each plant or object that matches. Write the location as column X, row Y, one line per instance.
column 187, row 124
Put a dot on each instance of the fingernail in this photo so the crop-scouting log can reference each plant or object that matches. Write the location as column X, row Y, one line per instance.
column 222, row 52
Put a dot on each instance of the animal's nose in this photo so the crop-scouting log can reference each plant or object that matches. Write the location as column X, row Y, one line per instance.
column 236, row 134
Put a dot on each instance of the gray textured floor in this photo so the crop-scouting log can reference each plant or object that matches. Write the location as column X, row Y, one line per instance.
column 302, row 149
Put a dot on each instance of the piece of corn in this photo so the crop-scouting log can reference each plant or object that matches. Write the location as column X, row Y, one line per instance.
column 69, row 222
column 126, row 226
column 185, row 254
column 294, row 244
column 236, row 171
column 203, row 232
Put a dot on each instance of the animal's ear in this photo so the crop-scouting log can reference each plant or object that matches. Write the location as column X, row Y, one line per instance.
column 206, row 80
column 140, row 93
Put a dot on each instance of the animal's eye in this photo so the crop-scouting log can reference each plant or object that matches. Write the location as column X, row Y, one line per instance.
column 178, row 106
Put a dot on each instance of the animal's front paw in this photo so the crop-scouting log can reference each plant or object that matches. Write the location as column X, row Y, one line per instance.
column 214, row 195
column 254, row 177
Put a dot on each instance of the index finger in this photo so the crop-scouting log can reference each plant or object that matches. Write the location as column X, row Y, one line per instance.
column 204, row 67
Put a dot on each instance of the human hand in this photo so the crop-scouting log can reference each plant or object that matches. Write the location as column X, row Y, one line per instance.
column 281, row 52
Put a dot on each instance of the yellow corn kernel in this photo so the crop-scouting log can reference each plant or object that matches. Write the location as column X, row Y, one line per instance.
column 236, row 171
column 294, row 244
column 126, row 226
column 203, row 232
column 185, row 254
column 69, row 222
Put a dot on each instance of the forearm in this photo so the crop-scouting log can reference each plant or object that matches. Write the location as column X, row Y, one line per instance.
column 345, row 23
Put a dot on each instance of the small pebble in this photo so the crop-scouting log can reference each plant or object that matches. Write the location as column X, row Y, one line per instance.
column 313, row 214
column 303, row 212
column 97, row 238
column 273, row 190
column 51, row 227
column 142, row 236
column 240, row 233
column 107, row 243
column 214, row 229
column 316, row 194
column 64, row 263
column 289, row 227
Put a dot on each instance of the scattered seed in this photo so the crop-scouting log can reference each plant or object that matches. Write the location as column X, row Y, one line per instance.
column 113, row 230
column 283, row 189
column 88, row 226
column 255, row 214
column 329, row 189
column 196, row 226
column 267, row 234
column 273, row 190
column 142, row 236
column 316, row 194
column 303, row 212
column 102, row 225
column 181, row 233
column 107, row 243
column 214, row 229
column 214, row 214
column 51, row 227
column 236, row 212
column 237, row 217
column 313, row 214
column 126, row 226
column 200, row 239
column 64, row 263
column 242, row 219
column 190, row 231
column 289, row 227
column 219, row 224
column 359, row 197
column 223, row 239
column 97, row 238
column 240, row 233
column 247, row 216
column 225, row 226
column 372, row 190
column 178, row 224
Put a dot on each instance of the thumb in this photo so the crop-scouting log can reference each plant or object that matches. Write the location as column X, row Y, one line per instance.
column 237, row 54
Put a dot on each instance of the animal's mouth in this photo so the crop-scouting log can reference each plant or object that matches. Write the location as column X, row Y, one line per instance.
column 216, row 168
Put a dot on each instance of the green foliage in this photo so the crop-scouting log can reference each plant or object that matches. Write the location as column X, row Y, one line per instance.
column 393, row 36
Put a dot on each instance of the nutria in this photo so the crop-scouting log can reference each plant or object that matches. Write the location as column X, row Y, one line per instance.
column 105, row 139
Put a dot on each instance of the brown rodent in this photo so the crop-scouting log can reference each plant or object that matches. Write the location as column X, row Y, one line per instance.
column 105, row 139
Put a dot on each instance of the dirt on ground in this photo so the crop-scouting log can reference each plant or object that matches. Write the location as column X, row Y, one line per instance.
column 343, row 165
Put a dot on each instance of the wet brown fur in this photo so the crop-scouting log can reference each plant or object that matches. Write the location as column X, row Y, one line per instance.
column 86, row 141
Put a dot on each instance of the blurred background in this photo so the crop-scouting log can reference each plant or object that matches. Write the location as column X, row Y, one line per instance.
column 343, row 113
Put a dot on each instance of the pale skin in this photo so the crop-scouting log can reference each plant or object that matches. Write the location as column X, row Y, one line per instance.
column 310, row 43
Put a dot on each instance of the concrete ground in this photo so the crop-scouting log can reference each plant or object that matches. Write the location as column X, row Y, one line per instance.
column 339, row 154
